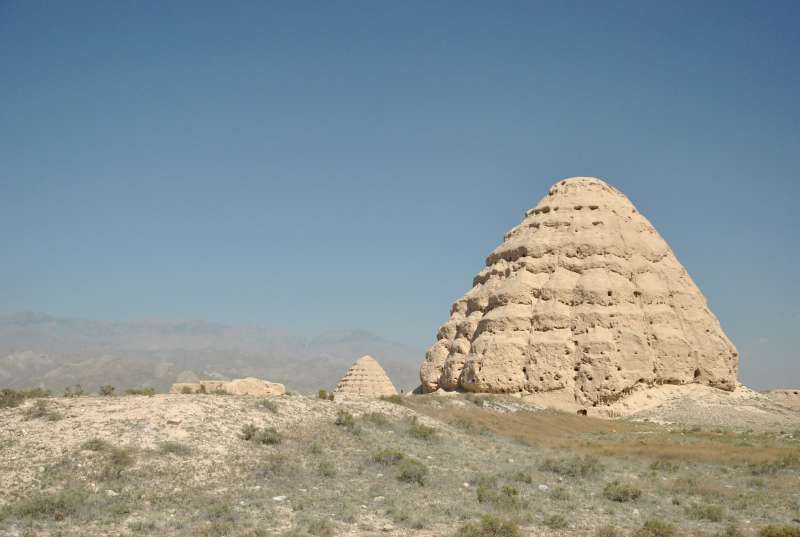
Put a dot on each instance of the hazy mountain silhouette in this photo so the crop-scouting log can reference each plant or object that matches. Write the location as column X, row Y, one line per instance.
column 41, row 350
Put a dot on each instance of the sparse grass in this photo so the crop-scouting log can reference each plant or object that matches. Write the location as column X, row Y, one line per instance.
column 325, row 472
column 488, row 526
column 40, row 409
column 149, row 392
column 572, row 467
column 621, row 492
column 771, row 467
column 779, row 531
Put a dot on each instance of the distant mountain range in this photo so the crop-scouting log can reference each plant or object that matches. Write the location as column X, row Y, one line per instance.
column 40, row 350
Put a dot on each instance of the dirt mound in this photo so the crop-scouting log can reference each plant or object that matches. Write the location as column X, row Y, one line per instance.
column 583, row 297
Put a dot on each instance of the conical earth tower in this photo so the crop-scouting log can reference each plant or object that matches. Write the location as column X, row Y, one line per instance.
column 365, row 378
column 584, row 296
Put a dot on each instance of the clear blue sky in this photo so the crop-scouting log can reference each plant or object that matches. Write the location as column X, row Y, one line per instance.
column 350, row 164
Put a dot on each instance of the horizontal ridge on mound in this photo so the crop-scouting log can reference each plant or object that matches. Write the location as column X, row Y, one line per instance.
column 583, row 295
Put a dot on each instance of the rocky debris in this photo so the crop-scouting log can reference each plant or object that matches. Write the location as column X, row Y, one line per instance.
column 582, row 297
column 246, row 386
column 365, row 378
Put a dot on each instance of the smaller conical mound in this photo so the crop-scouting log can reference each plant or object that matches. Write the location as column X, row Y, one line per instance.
column 366, row 378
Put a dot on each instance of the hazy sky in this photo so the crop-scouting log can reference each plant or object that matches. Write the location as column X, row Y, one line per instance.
column 351, row 164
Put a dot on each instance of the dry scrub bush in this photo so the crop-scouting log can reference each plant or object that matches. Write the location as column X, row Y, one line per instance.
column 488, row 526
column 621, row 492
column 656, row 528
column 572, row 467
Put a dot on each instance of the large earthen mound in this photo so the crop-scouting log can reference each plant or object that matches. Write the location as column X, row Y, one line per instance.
column 365, row 378
column 583, row 296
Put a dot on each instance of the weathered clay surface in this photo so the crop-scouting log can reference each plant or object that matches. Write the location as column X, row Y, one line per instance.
column 787, row 397
column 246, row 386
column 365, row 378
column 582, row 296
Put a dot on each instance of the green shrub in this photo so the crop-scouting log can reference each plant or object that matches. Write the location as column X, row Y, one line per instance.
column 119, row 459
column 40, row 409
column 150, row 392
column 656, row 528
column 388, row 457
column 489, row 526
column 10, row 398
column 572, row 467
column 315, row 448
column 376, row 418
column 322, row 394
column 58, row 505
column 733, row 531
column 506, row 497
column 779, row 531
column 412, row 471
column 560, row 494
column 396, row 399
column 171, row 447
column 76, row 390
column 269, row 436
column 327, row 469
column 710, row 512
column 621, row 492
column 420, row 430
column 96, row 444
column 664, row 465
column 268, row 404
column 556, row 522
column 347, row 421
column 607, row 531
column 249, row 431
column 107, row 390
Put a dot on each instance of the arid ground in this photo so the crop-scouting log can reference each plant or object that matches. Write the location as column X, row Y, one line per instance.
column 460, row 465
